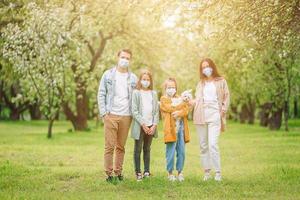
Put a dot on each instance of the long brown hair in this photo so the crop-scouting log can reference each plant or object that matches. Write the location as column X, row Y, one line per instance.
column 145, row 72
column 211, row 63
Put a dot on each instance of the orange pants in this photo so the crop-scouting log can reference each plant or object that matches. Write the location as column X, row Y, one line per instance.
column 116, row 131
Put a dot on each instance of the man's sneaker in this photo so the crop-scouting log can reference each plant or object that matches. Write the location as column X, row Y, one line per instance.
column 120, row 177
column 218, row 176
column 172, row 178
column 139, row 176
column 146, row 174
column 206, row 176
column 110, row 179
column 180, row 177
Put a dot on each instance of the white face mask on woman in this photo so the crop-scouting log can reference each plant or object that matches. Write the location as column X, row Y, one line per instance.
column 207, row 71
column 145, row 84
column 170, row 92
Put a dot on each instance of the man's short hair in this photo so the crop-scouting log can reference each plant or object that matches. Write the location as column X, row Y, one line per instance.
column 125, row 50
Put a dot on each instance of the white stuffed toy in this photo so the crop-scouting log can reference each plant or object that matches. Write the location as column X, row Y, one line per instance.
column 187, row 95
column 184, row 97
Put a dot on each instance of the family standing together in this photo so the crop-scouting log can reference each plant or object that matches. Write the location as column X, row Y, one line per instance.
column 126, row 100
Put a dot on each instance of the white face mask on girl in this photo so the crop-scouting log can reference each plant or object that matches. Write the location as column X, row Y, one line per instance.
column 170, row 92
column 207, row 71
column 145, row 84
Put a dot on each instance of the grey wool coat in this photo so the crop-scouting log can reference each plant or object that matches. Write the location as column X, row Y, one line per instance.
column 136, row 108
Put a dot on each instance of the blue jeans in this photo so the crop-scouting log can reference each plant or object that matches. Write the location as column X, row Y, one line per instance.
column 179, row 147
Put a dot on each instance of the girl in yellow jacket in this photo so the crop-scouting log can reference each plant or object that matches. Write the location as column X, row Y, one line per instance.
column 174, row 112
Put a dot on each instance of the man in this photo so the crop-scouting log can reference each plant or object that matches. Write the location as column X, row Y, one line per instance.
column 114, row 101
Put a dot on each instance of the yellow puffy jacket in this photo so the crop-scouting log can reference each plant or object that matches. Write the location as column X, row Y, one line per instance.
column 169, row 124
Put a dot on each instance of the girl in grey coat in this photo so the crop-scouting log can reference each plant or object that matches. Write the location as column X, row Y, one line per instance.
column 145, row 113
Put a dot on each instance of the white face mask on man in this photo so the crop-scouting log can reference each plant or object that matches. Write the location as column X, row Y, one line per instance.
column 170, row 92
column 124, row 63
column 207, row 71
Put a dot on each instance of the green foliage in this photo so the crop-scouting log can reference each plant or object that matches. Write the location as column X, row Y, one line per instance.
column 255, row 45
column 39, row 57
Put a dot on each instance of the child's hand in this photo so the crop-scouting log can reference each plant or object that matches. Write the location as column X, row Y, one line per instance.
column 152, row 130
column 146, row 129
column 175, row 114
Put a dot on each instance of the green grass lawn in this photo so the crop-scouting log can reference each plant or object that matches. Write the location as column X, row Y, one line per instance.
column 257, row 164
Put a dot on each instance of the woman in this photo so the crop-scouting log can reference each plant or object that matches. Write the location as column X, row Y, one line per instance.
column 176, row 131
column 145, row 112
column 211, row 104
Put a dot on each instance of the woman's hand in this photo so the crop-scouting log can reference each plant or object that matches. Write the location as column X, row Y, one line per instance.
column 192, row 102
column 223, row 113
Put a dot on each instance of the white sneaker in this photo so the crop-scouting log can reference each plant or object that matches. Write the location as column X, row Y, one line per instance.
column 218, row 176
column 206, row 176
column 146, row 174
column 172, row 178
column 139, row 177
column 180, row 177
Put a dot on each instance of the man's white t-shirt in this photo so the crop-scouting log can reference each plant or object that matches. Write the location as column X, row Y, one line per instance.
column 147, row 107
column 121, row 102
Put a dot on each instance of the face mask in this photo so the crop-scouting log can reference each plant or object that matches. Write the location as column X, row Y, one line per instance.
column 124, row 63
column 145, row 84
column 170, row 92
column 207, row 71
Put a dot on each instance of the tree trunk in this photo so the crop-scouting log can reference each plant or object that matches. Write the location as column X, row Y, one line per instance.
column 15, row 108
column 233, row 115
column 82, row 107
column 244, row 114
column 247, row 113
column 79, row 121
column 296, row 112
column 50, row 125
column 14, row 114
column 276, row 119
column 35, row 112
column 265, row 113
column 0, row 110
column 286, row 115
column 251, row 112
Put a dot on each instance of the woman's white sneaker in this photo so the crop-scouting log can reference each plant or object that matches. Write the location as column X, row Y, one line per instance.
column 206, row 176
column 218, row 176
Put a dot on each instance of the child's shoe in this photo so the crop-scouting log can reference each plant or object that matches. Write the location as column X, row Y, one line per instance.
column 172, row 178
column 180, row 177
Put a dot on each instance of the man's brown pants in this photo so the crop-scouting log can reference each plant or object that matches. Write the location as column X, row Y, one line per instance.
column 116, row 131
